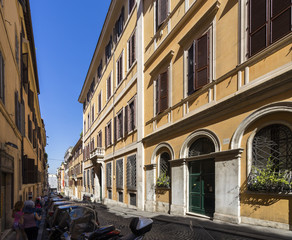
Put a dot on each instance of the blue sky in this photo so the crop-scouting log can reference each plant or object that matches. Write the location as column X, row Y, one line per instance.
column 65, row 33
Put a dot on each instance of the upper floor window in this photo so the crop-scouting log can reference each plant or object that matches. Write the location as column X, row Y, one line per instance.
column 88, row 120
column 108, row 50
column 109, row 88
column 92, row 114
column 99, row 70
column 2, row 85
column 119, row 26
column 198, row 63
column 108, row 134
column 119, row 125
column 269, row 20
column 131, row 5
column 132, row 50
column 161, row 12
column 130, row 116
column 99, row 102
column 120, row 69
column 161, row 94
column 99, row 139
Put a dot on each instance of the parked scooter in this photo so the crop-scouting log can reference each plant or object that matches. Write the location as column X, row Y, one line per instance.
column 139, row 227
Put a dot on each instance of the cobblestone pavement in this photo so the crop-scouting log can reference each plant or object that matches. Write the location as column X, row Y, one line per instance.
column 163, row 230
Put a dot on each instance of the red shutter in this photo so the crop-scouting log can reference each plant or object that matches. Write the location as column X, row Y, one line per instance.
column 163, row 104
column 115, row 129
column 191, row 65
column 126, row 120
column 134, row 114
column 105, row 139
column 202, row 61
column 121, row 124
column 257, row 25
column 110, row 133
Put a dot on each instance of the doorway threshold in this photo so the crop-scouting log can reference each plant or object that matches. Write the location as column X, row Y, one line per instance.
column 199, row 215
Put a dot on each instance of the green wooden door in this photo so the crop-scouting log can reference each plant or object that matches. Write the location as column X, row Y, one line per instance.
column 202, row 187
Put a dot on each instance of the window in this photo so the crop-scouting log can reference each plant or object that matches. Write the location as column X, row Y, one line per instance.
column 119, row 126
column 269, row 20
column 120, row 69
column 164, row 164
column 201, row 146
column 108, row 50
column 99, row 102
column 119, row 26
column 162, row 7
column 131, row 5
column 109, row 87
column 108, row 134
column 29, row 128
column 131, row 50
column 109, row 175
column 2, row 85
column 92, row 114
column 99, row 139
column 131, row 172
column 88, row 121
column 130, row 116
column 99, row 71
column 161, row 96
column 198, row 64
column 119, row 173
column 274, row 142
column 84, row 126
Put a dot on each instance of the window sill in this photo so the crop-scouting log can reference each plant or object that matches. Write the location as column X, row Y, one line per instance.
column 265, row 193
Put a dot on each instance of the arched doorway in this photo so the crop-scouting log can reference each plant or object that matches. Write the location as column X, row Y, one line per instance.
column 202, row 178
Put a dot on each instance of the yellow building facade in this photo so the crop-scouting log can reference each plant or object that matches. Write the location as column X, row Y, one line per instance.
column 187, row 107
column 111, row 132
column 217, row 83
column 22, row 130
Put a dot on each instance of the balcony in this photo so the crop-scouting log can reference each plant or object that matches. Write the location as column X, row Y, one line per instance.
column 97, row 154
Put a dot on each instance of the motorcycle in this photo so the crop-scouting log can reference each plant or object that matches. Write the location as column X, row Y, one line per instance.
column 138, row 225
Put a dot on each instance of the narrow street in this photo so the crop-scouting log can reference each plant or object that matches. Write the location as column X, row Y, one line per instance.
column 161, row 229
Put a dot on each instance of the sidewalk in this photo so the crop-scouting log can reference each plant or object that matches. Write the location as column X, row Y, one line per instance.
column 244, row 230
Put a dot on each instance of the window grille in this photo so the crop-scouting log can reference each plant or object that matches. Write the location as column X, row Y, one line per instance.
column 131, row 172
column 109, row 175
column 201, row 146
column 133, row 200
column 164, row 164
column 119, row 173
column 274, row 142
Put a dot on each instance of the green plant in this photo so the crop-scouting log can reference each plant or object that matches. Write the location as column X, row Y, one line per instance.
column 163, row 181
column 269, row 179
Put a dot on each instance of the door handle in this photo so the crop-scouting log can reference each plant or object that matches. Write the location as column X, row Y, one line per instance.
column 195, row 184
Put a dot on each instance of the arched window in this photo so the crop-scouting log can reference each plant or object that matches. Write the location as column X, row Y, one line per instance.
column 164, row 164
column 274, row 142
column 201, row 146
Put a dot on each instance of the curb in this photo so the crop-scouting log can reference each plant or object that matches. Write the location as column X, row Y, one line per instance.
column 6, row 233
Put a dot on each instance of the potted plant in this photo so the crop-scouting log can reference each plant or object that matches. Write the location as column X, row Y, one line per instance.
column 163, row 181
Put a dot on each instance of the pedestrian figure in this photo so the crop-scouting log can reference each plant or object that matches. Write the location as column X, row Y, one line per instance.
column 29, row 222
column 29, row 202
column 17, row 214
column 38, row 209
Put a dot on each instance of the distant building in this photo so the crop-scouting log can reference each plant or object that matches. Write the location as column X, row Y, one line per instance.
column 53, row 182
